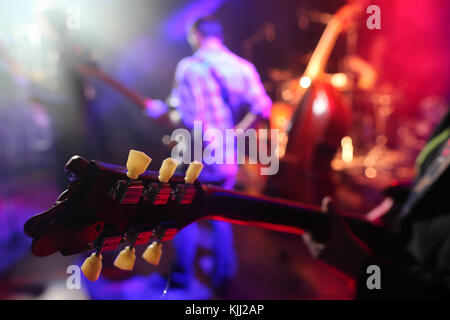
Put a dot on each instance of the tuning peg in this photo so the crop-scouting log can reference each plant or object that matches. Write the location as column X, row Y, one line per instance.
column 167, row 170
column 153, row 253
column 137, row 163
column 126, row 258
column 193, row 171
column 92, row 267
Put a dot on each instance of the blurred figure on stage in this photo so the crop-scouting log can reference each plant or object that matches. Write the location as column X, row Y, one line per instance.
column 64, row 91
column 223, row 91
column 43, row 112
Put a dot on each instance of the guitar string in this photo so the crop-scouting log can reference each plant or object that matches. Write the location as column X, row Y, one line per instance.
column 167, row 285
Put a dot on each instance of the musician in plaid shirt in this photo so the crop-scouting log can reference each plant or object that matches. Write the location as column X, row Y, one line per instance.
column 223, row 91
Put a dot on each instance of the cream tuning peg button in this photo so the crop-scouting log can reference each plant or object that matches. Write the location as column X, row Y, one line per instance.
column 137, row 163
column 193, row 171
column 153, row 253
column 167, row 170
column 126, row 258
column 92, row 267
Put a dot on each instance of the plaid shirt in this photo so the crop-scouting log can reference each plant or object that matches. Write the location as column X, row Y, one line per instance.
column 197, row 93
column 198, row 90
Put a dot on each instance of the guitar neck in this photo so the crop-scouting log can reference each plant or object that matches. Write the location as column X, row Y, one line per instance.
column 274, row 214
column 278, row 214
column 106, row 78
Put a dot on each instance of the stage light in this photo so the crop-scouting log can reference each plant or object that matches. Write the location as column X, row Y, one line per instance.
column 336, row 164
column 320, row 103
column 174, row 116
column 43, row 5
column 280, row 116
column 385, row 99
column 346, row 141
column 347, row 149
column 305, row 82
column 339, row 80
column 287, row 94
column 369, row 161
column 381, row 140
column 370, row 173
column 166, row 139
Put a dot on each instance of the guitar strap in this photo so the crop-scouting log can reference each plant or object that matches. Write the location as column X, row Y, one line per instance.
column 223, row 89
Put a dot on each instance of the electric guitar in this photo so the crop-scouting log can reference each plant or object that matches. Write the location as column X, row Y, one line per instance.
column 106, row 206
column 93, row 71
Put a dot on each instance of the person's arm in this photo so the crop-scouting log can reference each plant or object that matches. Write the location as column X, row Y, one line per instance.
column 184, row 102
column 343, row 250
column 350, row 255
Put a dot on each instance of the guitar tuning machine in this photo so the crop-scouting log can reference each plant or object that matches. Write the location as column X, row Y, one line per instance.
column 92, row 266
column 137, row 163
column 193, row 172
column 159, row 193
column 150, row 191
column 127, row 257
column 167, row 170
column 153, row 253
column 119, row 190
column 180, row 193
column 130, row 190
column 127, row 191
column 184, row 194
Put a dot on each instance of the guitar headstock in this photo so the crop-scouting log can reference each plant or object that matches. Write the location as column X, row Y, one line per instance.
column 107, row 205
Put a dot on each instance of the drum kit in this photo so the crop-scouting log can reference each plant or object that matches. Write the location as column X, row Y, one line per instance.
column 336, row 122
